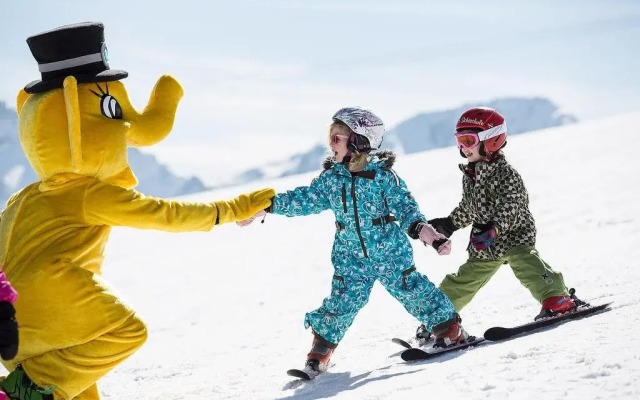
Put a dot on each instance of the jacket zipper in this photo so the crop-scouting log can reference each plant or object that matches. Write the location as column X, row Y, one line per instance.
column 344, row 197
column 355, row 215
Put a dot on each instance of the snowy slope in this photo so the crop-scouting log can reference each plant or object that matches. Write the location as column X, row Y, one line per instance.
column 225, row 308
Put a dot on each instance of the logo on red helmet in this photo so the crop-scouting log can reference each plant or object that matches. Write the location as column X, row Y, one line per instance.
column 465, row 120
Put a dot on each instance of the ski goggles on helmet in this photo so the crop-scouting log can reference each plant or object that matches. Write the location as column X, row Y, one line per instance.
column 467, row 140
column 335, row 139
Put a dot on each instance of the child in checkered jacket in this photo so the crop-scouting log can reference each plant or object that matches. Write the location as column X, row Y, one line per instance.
column 496, row 202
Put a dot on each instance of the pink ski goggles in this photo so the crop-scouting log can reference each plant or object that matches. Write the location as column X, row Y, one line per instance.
column 470, row 139
column 336, row 138
column 467, row 140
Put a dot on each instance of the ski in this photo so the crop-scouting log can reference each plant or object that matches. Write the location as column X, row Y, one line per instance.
column 421, row 339
column 402, row 343
column 304, row 375
column 308, row 373
column 501, row 333
column 414, row 354
column 411, row 343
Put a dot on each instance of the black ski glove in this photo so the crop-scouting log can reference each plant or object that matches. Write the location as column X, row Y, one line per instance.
column 443, row 225
column 414, row 229
column 8, row 331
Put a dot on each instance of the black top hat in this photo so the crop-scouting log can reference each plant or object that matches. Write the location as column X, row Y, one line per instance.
column 77, row 50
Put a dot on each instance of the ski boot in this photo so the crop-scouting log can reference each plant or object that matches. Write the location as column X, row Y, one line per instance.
column 449, row 333
column 17, row 385
column 556, row 305
column 423, row 336
column 318, row 357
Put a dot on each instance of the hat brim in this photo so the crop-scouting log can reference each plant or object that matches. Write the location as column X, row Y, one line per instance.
column 104, row 76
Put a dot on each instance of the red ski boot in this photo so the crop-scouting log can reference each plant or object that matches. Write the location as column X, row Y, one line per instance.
column 318, row 357
column 555, row 305
column 449, row 333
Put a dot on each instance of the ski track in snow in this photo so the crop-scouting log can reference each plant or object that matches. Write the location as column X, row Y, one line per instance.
column 225, row 309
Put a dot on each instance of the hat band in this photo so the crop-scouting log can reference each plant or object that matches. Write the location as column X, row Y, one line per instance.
column 70, row 63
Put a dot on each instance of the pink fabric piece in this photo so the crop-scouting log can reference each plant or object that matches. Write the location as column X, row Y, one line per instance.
column 445, row 248
column 7, row 292
column 3, row 396
column 248, row 222
column 428, row 234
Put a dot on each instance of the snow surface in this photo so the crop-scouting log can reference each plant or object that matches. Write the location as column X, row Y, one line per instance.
column 225, row 309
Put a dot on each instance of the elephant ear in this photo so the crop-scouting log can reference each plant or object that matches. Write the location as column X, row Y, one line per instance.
column 20, row 100
column 72, row 107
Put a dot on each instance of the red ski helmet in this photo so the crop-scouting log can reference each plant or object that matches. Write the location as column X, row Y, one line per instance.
column 488, row 123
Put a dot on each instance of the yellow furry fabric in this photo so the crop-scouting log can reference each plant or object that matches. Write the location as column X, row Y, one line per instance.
column 73, row 329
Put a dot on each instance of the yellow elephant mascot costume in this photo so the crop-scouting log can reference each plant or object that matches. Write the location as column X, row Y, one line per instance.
column 75, row 125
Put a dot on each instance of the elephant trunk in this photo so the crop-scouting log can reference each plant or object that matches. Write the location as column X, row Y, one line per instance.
column 156, row 121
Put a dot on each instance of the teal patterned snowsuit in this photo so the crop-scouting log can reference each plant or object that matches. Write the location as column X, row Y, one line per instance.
column 368, row 245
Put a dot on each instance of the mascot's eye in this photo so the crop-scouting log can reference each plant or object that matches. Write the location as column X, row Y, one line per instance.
column 110, row 108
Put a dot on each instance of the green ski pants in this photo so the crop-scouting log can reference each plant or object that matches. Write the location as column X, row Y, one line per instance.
column 534, row 274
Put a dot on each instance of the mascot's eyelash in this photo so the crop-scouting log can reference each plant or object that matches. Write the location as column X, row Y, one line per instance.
column 109, row 106
column 101, row 91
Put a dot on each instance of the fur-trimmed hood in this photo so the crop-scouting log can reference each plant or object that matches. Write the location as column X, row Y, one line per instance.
column 385, row 157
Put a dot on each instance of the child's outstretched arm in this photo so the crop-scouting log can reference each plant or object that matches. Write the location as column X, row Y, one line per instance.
column 304, row 200
column 402, row 204
column 407, row 212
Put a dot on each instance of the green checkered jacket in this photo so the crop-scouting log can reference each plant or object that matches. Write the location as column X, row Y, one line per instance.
column 494, row 192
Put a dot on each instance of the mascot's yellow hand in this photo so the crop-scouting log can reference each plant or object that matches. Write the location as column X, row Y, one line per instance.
column 244, row 206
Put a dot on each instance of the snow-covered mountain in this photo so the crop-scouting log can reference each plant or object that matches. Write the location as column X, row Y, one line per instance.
column 434, row 130
column 225, row 309
column 426, row 131
column 155, row 179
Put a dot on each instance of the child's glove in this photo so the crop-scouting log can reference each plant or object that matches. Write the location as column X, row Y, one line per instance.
column 430, row 236
column 483, row 236
column 244, row 206
column 443, row 225
column 247, row 222
column 8, row 324
column 442, row 246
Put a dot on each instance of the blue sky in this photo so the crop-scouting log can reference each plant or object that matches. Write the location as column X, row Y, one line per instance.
column 262, row 78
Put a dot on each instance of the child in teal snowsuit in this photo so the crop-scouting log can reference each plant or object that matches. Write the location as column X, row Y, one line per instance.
column 374, row 213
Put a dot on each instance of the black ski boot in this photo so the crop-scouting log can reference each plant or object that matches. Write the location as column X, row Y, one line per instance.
column 423, row 336
column 579, row 303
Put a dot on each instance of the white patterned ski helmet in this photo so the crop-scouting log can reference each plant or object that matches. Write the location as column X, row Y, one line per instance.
column 364, row 124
